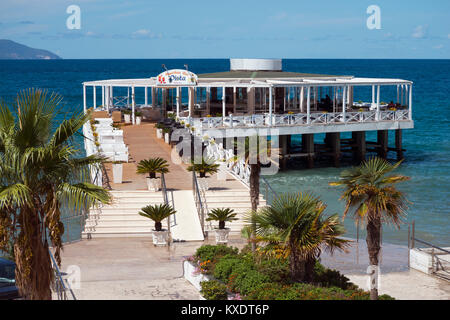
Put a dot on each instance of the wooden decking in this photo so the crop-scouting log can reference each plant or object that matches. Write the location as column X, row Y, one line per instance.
column 143, row 144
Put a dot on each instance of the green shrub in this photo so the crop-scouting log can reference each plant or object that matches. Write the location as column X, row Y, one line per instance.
column 224, row 267
column 331, row 278
column 276, row 269
column 302, row 291
column 213, row 290
column 212, row 253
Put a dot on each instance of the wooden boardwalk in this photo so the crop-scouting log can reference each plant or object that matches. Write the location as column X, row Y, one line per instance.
column 143, row 144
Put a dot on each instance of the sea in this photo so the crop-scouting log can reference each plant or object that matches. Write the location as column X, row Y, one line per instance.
column 427, row 156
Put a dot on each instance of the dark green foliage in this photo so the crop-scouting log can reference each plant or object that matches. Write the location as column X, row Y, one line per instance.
column 212, row 253
column 331, row 278
column 213, row 290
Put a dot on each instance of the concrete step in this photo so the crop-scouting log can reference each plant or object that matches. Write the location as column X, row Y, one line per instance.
column 103, row 223
column 125, row 234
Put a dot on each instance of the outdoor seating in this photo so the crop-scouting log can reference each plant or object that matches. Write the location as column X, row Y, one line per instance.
column 116, row 116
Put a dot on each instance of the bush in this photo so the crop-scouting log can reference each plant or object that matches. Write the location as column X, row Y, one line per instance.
column 276, row 269
column 213, row 290
column 331, row 278
column 224, row 267
column 212, row 253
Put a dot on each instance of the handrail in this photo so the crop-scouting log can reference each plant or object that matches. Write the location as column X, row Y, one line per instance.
column 60, row 286
column 198, row 201
column 432, row 245
column 269, row 187
column 166, row 201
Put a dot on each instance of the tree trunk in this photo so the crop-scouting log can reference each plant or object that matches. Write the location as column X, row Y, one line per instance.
column 221, row 224
column 297, row 265
column 255, row 170
column 158, row 226
column 152, row 175
column 373, row 247
column 34, row 272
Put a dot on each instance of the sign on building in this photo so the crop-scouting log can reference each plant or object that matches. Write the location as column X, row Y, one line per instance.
column 177, row 77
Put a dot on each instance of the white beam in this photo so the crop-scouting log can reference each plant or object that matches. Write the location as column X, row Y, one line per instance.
column 377, row 117
column 178, row 101
column 84, row 98
column 302, row 97
column 146, row 95
column 308, row 105
column 133, row 105
column 94, row 96
column 270, row 104
column 344, row 95
column 410, row 102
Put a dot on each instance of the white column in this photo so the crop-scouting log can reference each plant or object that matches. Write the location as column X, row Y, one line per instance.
column 103, row 96
column 178, row 101
column 223, row 104
column 410, row 102
column 111, row 97
column 190, row 93
column 270, row 104
column 133, row 105
column 84, row 98
column 406, row 93
column 302, row 97
column 308, row 105
column 398, row 94
column 377, row 116
column 94, row 96
column 401, row 94
column 146, row 95
column 373, row 94
column 344, row 95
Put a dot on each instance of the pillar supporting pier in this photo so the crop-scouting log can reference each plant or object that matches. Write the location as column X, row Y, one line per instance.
column 382, row 141
column 308, row 148
column 398, row 144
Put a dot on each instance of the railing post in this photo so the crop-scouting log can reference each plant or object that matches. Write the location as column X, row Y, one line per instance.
column 413, row 233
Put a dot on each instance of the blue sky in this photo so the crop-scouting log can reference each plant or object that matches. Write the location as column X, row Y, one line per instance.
column 223, row 29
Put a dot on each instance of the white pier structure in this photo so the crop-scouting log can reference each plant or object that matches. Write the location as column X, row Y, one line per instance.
column 257, row 94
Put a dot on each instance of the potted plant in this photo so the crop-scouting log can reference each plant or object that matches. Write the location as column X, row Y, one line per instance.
column 159, row 130
column 138, row 115
column 127, row 115
column 222, row 215
column 151, row 167
column 117, row 168
column 158, row 213
column 166, row 132
column 203, row 167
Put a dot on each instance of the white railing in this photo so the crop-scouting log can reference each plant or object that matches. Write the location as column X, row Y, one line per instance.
column 316, row 118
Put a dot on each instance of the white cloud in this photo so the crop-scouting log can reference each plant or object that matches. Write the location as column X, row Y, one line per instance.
column 420, row 32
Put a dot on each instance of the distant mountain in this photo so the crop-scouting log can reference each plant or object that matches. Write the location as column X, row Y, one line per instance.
column 13, row 50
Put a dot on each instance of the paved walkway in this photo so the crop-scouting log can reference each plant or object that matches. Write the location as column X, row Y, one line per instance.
column 143, row 144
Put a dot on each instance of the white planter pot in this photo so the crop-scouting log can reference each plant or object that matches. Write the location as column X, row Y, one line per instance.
column 167, row 137
column 127, row 118
column 203, row 183
column 138, row 120
column 160, row 237
column 222, row 173
column 222, row 235
column 159, row 133
column 192, row 276
column 153, row 184
column 117, row 172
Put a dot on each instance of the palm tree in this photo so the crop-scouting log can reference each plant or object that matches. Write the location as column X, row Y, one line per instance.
column 206, row 166
column 41, row 173
column 372, row 198
column 296, row 222
column 153, row 166
column 222, row 215
column 157, row 213
column 252, row 153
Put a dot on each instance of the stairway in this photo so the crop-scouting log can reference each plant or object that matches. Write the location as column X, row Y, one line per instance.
column 121, row 218
column 238, row 200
